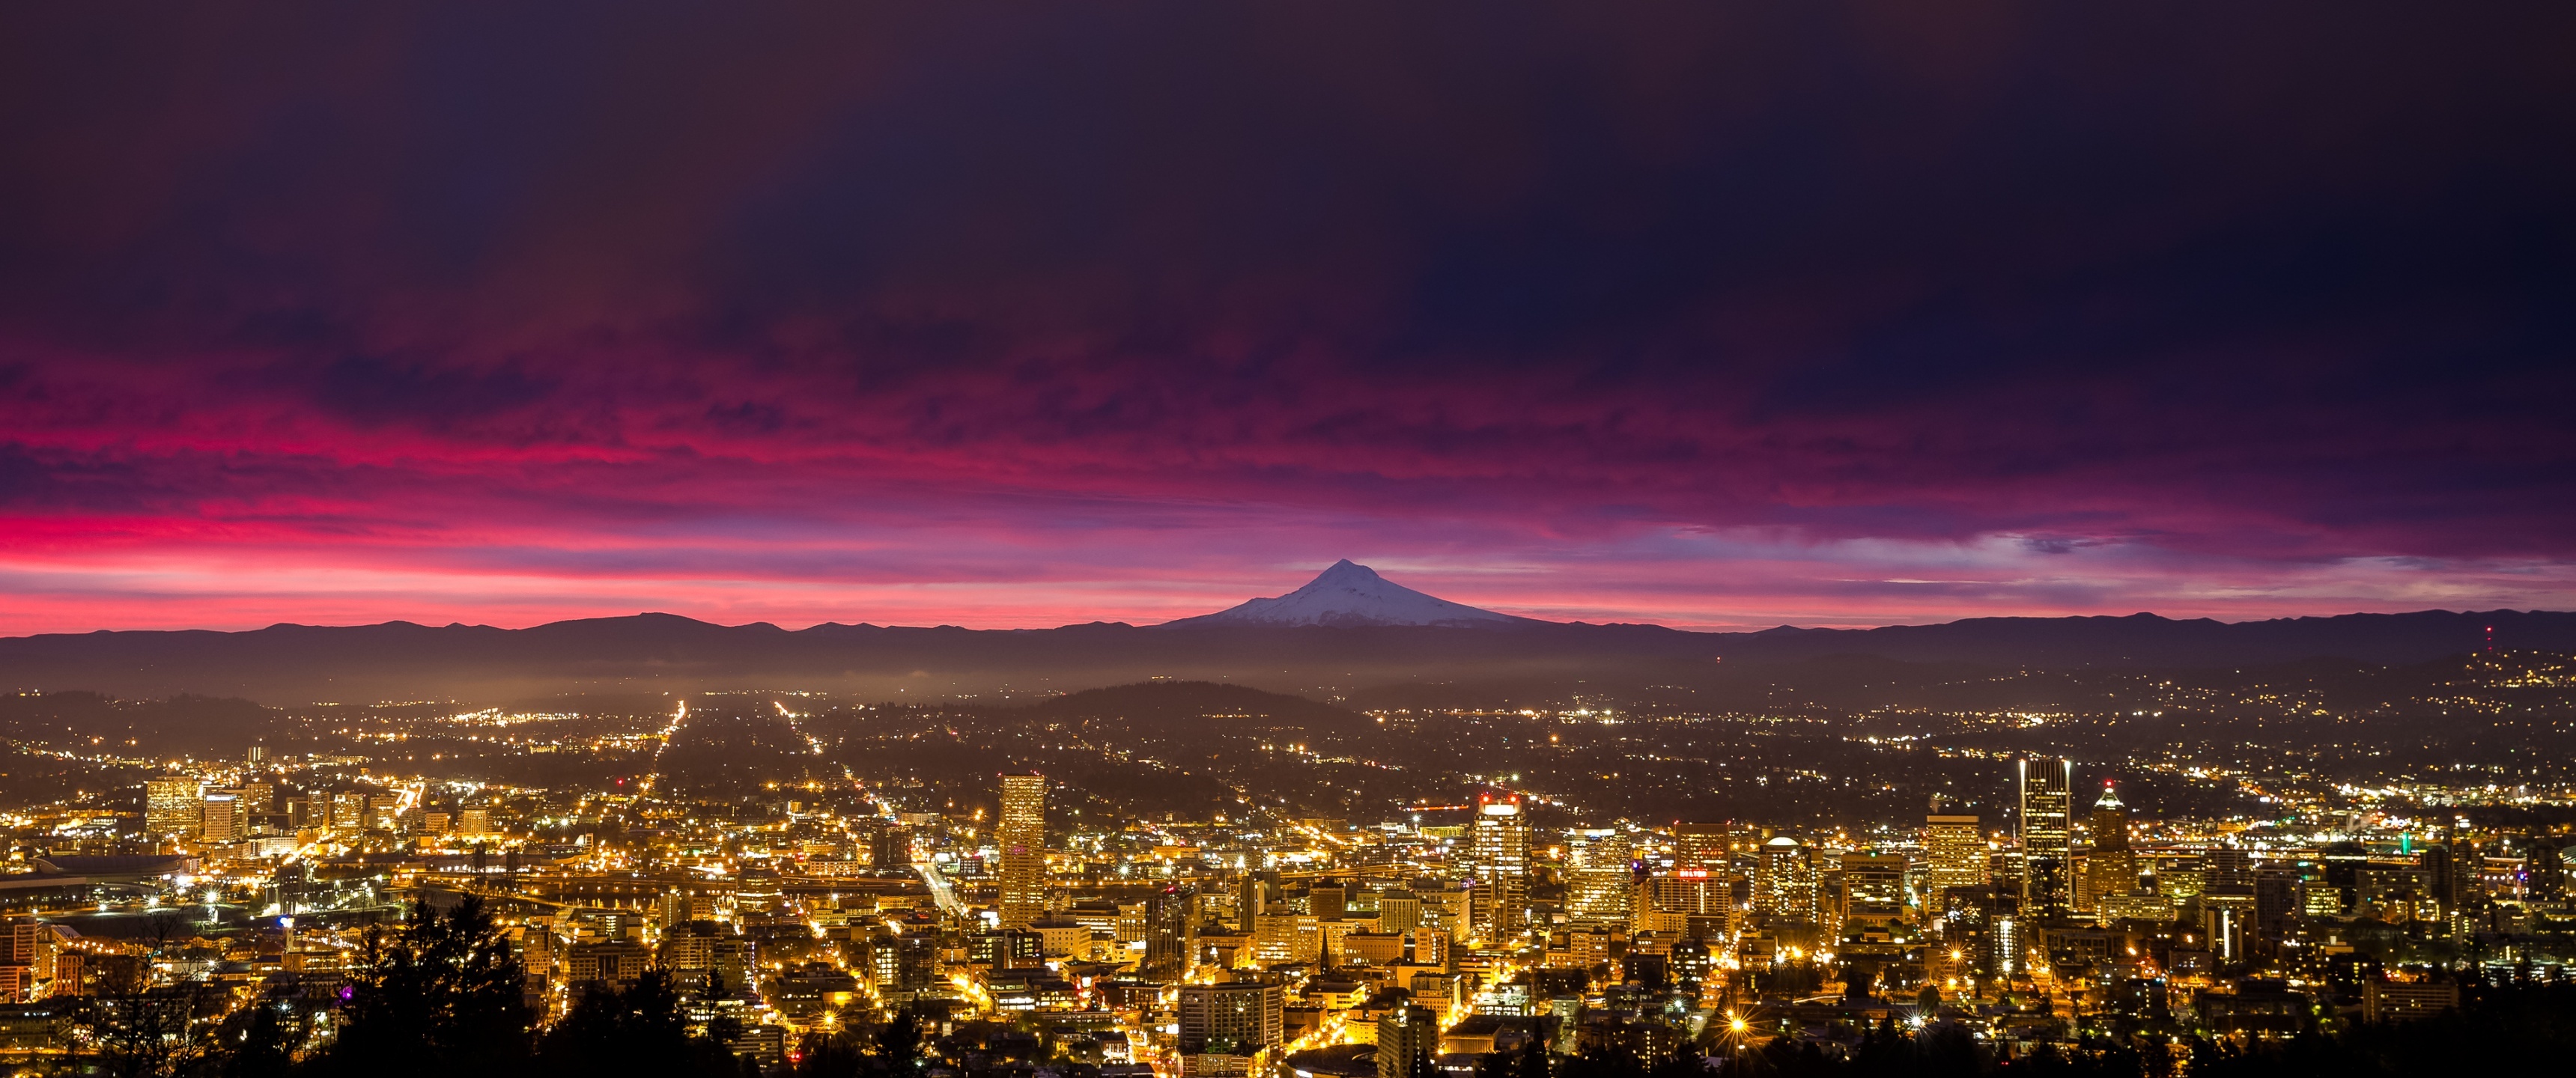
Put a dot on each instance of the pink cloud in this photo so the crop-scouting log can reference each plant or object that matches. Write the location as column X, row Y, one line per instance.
column 1747, row 317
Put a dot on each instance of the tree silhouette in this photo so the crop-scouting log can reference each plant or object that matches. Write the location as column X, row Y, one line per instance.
column 440, row 997
column 133, row 1029
column 639, row 1031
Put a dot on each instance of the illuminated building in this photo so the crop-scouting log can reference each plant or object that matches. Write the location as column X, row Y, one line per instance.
column 1168, row 934
column 1022, row 838
column 1954, row 848
column 1785, row 885
column 1599, row 877
column 349, row 811
column 1689, row 901
column 2111, row 869
column 1398, row 911
column 1701, row 846
column 1239, row 1017
column 1500, row 853
column 221, row 817
column 2047, row 835
column 1872, row 890
column 172, row 806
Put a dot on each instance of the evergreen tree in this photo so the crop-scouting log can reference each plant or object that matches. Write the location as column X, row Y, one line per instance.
column 638, row 1031
column 258, row 1041
column 440, row 997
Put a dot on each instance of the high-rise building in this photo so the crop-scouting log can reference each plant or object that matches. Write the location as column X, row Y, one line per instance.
column 1287, row 936
column 257, row 757
column 172, row 805
column 2112, row 868
column 1500, row 852
column 1251, row 900
column 222, row 817
column 1600, row 878
column 1239, row 1017
column 1701, row 846
column 2047, row 836
column 1022, row 838
column 1785, row 886
column 1408, row 1040
column 349, row 811
column 1954, row 848
column 1170, row 933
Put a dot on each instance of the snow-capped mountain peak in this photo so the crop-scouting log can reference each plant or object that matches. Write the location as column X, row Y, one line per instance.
column 1353, row 594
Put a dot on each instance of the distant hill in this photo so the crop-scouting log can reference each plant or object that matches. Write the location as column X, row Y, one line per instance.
column 298, row 664
column 2145, row 640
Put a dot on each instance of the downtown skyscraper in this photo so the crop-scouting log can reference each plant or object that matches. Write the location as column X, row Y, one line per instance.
column 2047, row 836
column 1499, row 848
column 1021, row 834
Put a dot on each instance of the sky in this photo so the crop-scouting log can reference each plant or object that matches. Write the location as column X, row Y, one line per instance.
column 1009, row 316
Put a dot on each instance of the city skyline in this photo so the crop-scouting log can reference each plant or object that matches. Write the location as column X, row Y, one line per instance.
column 807, row 878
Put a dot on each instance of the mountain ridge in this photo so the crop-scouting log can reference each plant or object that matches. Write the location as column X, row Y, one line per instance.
column 401, row 660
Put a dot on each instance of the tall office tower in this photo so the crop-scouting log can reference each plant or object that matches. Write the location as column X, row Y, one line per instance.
column 1408, row 1042
column 1954, row 848
column 172, row 806
column 222, row 819
column 1785, row 885
column 1251, row 900
column 1239, row 1017
column 2047, row 836
column 257, row 757
column 1599, row 879
column 1170, row 930
column 1701, row 846
column 2112, row 868
column 1500, row 849
column 1022, row 837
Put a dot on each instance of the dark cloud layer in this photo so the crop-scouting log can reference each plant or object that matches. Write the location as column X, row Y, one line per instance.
column 1831, row 311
